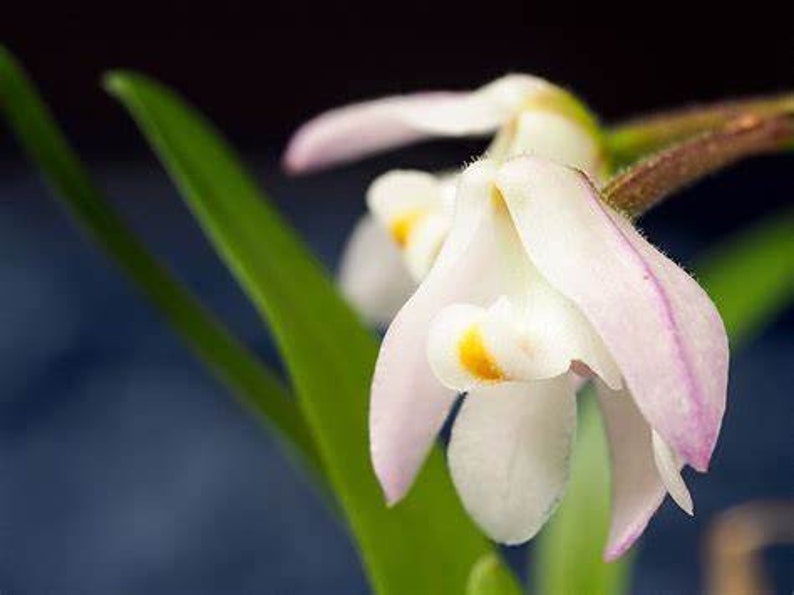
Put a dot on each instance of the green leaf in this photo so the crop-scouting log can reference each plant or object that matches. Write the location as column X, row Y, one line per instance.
column 751, row 279
column 426, row 544
column 255, row 386
column 490, row 577
column 568, row 553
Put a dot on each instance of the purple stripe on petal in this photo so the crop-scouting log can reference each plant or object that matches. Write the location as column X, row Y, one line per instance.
column 662, row 329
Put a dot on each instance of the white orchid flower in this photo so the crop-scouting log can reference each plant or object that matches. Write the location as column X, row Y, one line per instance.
column 538, row 284
column 392, row 250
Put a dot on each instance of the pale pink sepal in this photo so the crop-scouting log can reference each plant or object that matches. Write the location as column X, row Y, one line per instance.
column 408, row 404
column 350, row 132
column 637, row 489
column 347, row 133
column 660, row 326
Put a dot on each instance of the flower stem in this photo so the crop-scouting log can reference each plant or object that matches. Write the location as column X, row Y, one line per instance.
column 637, row 138
column 641, row 186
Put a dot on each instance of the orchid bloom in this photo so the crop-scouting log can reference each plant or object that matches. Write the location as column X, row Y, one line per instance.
column 390, row 253
column 540, row 284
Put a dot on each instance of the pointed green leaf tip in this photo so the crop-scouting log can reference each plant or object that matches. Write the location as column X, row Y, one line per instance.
column 490, row 577
column 426, row 544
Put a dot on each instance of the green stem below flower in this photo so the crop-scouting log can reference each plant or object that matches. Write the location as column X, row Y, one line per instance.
column 643, row 136
column 643, row 185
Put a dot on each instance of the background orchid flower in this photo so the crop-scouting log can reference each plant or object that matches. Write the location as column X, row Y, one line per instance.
column 538, row 283
column 412, row 210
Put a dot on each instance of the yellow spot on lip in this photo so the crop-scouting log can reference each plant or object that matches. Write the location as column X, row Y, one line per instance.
column 403, row 225
column 476, row 359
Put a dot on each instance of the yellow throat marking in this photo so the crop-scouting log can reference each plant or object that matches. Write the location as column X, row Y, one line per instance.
column 404, row 224
column 475, row 357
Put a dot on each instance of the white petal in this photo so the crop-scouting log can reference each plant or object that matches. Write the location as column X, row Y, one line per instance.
column 360, row 129
column 372, row 274
column 469, row 346
column 354, row 131
column 482, row 111
column 658, row 324
column 669, row 467
column 529, row 333
column 642, row 472
column 415, row 209
column 561, row 335
column 637, row 489
column 471, row 209
column 541, row 337
column 394, row 193
column 509, row 455
column 425, row 243
column 553, row 136
column 408, row 404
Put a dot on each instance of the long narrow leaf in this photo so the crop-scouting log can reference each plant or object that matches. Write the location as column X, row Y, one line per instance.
column 568, row 553
column 751, row 279
column 425, row 544
column 256, row 386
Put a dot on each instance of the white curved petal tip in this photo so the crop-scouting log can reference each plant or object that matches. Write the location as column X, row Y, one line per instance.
column 616, row 551
column 393, row 494
column 669, row 467
column 292, row 165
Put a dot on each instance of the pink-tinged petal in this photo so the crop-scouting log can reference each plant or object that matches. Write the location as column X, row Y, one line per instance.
column 408, row 404
column 509, row 454
column 660, row 326
column 354, row 131
column 372, row 274
column 637, row 488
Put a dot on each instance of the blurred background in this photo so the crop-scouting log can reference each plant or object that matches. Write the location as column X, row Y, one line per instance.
column 125, row 467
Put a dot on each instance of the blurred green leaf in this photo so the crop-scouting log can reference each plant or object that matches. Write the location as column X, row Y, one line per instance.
column 568, row 553
column 424, row 545
column 256, row 386
column 490, row 577
column 751, row 279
